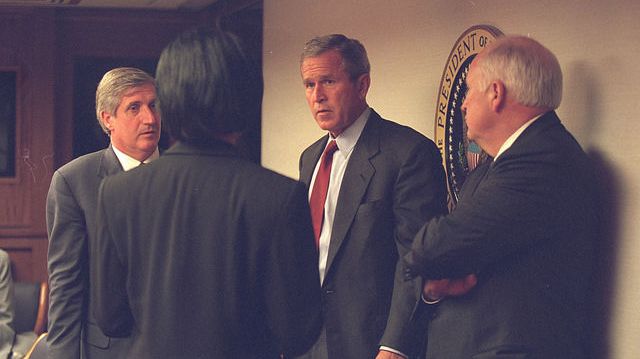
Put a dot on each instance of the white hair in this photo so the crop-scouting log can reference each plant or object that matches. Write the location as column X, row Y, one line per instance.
column 530, row 72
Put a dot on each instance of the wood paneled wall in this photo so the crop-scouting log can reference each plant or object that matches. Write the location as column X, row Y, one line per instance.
column 27, row 43
column 43, row 44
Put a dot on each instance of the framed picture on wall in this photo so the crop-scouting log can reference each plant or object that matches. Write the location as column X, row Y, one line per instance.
column 9, row 88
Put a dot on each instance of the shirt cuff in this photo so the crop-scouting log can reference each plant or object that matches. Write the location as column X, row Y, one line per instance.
column 430, row 301
column 382, row 347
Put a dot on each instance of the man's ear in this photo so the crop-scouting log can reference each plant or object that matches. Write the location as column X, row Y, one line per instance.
column 107, row 120
column 363, row 83
column 499, row 95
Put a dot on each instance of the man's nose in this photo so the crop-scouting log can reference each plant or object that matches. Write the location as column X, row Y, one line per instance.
column 149, row 115
column 318, row 94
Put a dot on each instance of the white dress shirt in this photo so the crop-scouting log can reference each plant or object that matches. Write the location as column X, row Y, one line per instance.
column 127, row 162
column 514, row 136
column 346, row 141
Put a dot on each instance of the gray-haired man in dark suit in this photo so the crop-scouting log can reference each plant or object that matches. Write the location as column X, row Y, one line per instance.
column 507, row 272
column 126, row 111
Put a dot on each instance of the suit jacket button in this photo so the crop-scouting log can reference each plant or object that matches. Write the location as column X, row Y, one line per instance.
column 407, row 274
column 329, row 291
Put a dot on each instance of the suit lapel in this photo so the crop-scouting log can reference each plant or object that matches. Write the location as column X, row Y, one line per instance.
column 523, row 143
column 109, row 164
column 356, row 179
column 474, row 178
column 309, row 162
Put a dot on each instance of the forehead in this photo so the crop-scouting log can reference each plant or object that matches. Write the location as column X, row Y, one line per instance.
column 327, row 63
column 473, row 74
column 138, row 91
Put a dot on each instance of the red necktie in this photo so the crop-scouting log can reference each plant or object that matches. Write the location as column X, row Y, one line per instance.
column 320, row 187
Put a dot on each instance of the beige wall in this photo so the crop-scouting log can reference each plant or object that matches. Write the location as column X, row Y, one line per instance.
column 596, row 42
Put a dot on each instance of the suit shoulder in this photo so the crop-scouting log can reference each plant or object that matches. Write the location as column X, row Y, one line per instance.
column 82, row 163
column 265, row 175
column 265, row 183
column 404, row 138
column 398, row 132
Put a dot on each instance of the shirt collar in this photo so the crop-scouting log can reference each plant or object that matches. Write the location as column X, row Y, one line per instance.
column 514, row 136
column 348, row 138
column 127, row 162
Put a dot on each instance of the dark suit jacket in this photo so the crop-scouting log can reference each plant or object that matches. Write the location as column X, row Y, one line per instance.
column 393, row 183
column 203, row 254
column 527, row 229
column 71, row 222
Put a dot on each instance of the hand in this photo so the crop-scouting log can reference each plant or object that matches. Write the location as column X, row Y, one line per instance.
column 383, row 354
column 438, row 289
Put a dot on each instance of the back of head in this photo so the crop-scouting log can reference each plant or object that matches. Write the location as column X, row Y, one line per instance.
column 113, row 86
column 354, row 55
column 530, row 72
column 207, row 86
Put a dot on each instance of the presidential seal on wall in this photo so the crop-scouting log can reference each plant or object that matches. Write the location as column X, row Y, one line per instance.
column 459, row 156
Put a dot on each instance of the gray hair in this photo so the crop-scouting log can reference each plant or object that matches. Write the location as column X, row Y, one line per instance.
column 113, row 86
column 530, row 72
column 354, row 56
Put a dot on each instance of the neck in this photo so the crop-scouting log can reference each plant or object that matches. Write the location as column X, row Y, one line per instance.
column 137, row 155
column 511, row 121
column 358, row 112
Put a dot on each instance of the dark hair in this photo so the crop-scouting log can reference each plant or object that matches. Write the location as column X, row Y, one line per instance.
column 207, row 85
column 354, row 55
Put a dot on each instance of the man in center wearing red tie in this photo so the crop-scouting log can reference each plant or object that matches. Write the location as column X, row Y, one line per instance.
column 372, row 184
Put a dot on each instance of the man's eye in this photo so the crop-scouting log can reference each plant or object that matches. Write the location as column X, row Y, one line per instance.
column 309, row 85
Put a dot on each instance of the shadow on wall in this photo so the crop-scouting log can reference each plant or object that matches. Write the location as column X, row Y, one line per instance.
column 606, row 254
column 582, row 102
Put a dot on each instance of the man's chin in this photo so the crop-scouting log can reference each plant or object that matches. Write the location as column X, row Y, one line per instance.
column 148, row 145
column 150, row 137
column 325, row 124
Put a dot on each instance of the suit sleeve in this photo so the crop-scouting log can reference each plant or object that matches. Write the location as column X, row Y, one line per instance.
column 66, row 262
column 515, row 206
column 109, row 274
column 419, row 195
column 293, row 288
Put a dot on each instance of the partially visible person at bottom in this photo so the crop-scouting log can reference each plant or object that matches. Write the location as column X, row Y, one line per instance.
column 7, row 334
column 202, row 253
column 12, row 345
column 126, row 111
column 508, row 271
